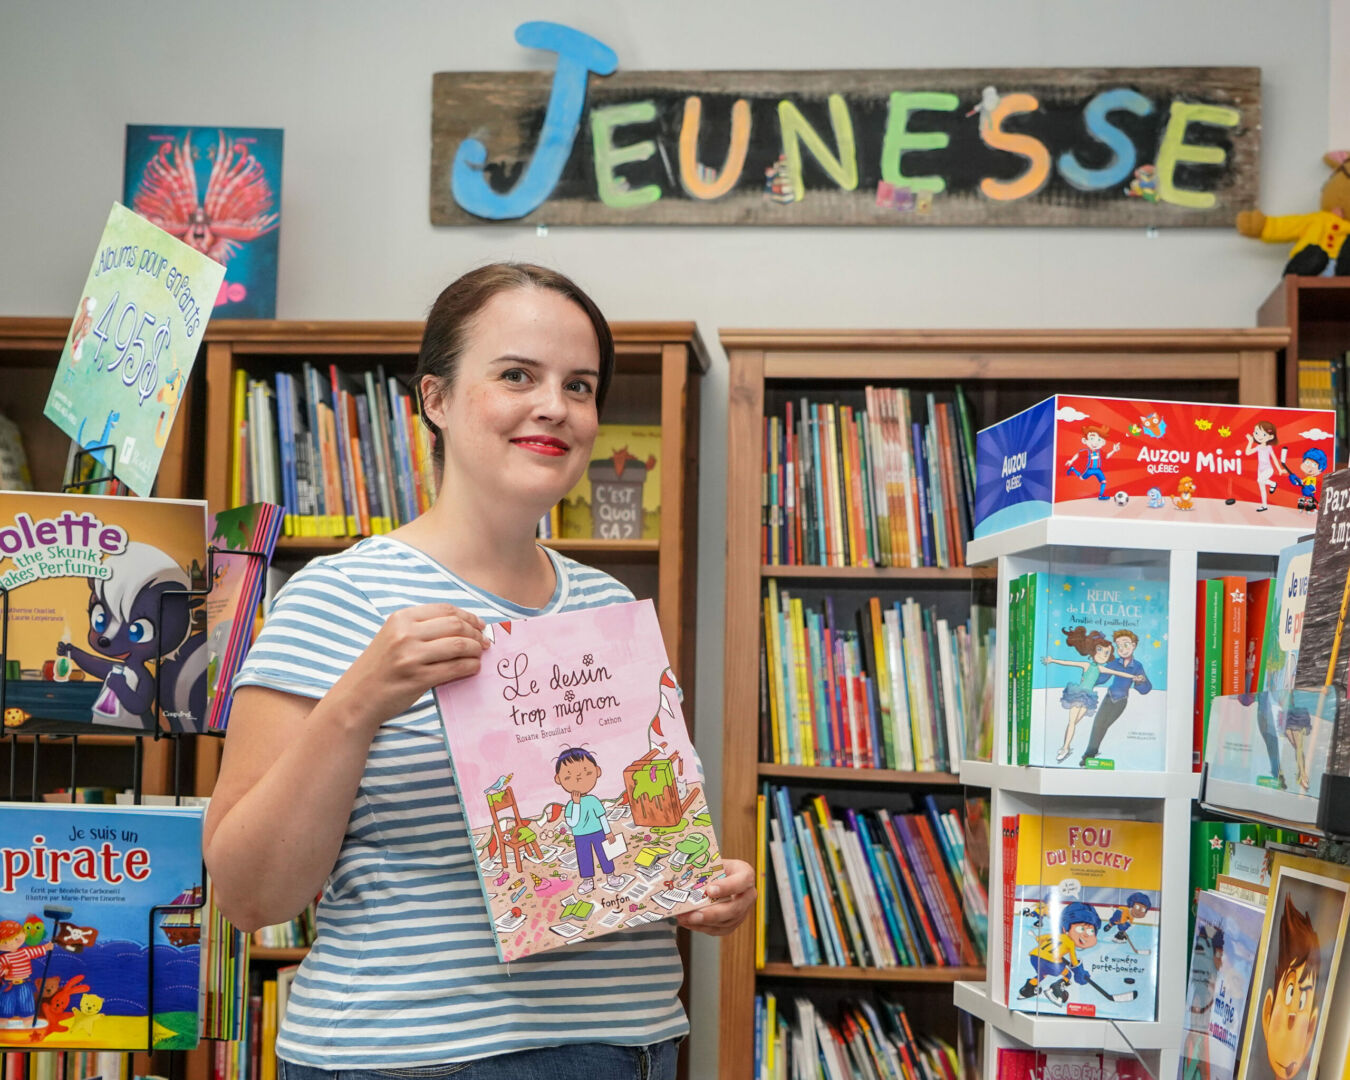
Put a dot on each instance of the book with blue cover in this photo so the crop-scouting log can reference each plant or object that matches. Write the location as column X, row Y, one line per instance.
column 1223, row 959
column 100, row 926
column 1098, row 688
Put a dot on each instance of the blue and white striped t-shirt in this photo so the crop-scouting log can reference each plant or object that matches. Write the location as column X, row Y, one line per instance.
column 404, row 971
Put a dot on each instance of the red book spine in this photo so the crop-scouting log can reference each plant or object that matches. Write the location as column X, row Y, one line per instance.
column 1234, row 635
column 1010, row 830
column 912, row 887
column 949, row 493
column 944, row 884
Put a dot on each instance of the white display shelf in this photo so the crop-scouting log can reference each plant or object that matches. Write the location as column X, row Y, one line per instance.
column 1042, row 1032
column 1034, row 780
column 1133, row 533
column 1270, row 805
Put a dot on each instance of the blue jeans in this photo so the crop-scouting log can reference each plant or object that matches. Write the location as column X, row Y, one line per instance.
column 580, row 1061
column 588, row 844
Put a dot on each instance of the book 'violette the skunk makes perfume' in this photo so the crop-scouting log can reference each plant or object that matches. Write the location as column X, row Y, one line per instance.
column 580, row 785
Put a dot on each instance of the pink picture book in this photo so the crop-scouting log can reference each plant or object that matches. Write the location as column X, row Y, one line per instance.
column 582, row 790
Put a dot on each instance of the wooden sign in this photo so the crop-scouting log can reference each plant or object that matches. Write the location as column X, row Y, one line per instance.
column 1018, row 146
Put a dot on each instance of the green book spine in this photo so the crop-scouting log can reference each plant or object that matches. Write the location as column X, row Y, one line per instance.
column 1213, row 672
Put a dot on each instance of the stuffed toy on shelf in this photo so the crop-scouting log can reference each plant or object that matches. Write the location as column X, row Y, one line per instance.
column 1319, row 238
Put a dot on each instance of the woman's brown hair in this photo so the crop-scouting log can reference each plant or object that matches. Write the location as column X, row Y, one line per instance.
column 448, row 325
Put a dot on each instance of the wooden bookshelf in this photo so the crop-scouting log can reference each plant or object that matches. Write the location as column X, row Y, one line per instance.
column 874, row 975
column 288, row 955
column 1002, row 372
column 1316, row 314
column 657, row 381
column 821, row 774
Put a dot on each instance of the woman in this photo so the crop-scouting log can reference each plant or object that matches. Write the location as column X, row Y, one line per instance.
column 335, row 774
column 1080, row 698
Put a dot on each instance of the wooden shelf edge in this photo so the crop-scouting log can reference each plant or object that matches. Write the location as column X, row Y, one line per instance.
column 291, row 953
column 1007, row 341
column 870, row 974
column 327, row 545
column 898, row 573
column 858, row 776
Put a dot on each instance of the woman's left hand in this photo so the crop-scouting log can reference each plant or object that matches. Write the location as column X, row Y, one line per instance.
column 735, row 896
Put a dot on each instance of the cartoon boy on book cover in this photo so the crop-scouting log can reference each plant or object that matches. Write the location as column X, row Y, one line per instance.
column 576, row 772
column 1125, row 674
column 18, row 1002
column 1289, row 1010
column 1056, row 956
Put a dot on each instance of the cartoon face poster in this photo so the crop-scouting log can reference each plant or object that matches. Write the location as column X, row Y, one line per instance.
column 1153, row 461
column 1296, row 964
column 97, row 619
column 582, row 790
column 219, row 191
column 136, row 333
column 98, row 905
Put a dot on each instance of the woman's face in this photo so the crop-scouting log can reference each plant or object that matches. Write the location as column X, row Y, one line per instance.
column 520, row 419
column 1261, row 435
column 1102, row 654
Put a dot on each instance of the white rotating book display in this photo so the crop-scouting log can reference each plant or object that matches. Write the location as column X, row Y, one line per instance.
column 1180, row 554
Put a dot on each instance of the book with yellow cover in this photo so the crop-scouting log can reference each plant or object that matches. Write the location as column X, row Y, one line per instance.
column 1084, row 917
column 100, row 627
column 619, row 495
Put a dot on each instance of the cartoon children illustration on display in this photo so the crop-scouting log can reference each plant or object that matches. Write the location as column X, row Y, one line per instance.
column 1289, row 1010
column 1261, row 442
column 1056, row 956
column 1136, row 906
column 576, row 772
column 18, row 1002
column 134, row 618
column 1080, row 698
column 1206, row 960
column 1126, row 673
column 1094, row 438
column 1311, row 468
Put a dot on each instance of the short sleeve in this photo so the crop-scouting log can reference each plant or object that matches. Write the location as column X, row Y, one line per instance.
column 319, row 624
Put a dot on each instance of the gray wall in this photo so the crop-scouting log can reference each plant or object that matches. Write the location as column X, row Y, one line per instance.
column 350, row 82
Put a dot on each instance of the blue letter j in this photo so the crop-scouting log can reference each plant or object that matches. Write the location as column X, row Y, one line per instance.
column 578, row 55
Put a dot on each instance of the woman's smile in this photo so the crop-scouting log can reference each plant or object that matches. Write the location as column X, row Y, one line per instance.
column 542, row 444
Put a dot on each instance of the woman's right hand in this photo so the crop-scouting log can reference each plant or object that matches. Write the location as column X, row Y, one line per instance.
column 416, row 649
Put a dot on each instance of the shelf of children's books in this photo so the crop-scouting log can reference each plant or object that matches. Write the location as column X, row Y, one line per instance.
column 873, row 573
column 898, row 974
column 289, row 955
column 821, row 773
column 615, row 550
column 1031, row 780
column 1045, row 1032
column 1269, row 806
column 1126, row 530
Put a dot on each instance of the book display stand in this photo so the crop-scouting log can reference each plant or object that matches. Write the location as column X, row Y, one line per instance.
column 1180, row 554
column 166, row 732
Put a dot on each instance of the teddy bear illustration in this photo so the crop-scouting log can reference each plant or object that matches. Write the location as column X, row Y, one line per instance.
column 1319, row 238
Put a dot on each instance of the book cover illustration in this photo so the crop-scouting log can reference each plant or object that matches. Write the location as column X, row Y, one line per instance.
column 83, row 950
column 1085, row 917
column 619, row 496
column 1223, row 958
column 1296, row 966
column 99, row 629
column 1276, row 739
column 1157, row 461
column 1099, row 683
column 219, row 191
column 583, row 793
column 236, row 588
column 132, row 344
